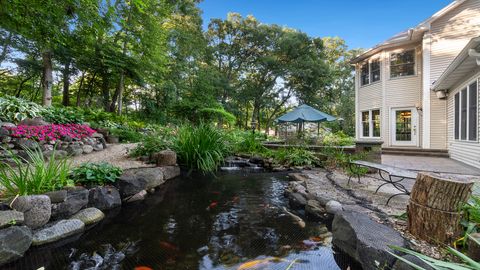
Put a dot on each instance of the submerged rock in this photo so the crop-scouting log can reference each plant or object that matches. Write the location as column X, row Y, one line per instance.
column 10, row 217
column 36, row 209
column 58, row 231
column 89, row 215
column 365, row 240
column 104, row 198
column 14, row 241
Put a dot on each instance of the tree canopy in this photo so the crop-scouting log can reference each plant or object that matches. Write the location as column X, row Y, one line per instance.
column 153, row 59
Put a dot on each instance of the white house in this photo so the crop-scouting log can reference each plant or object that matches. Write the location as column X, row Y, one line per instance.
column 419, row 89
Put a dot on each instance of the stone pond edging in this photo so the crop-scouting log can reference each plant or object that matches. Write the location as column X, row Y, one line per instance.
column 354, row 231
column 36, row 220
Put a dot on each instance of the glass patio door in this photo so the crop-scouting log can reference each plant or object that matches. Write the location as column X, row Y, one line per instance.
column 404, row 128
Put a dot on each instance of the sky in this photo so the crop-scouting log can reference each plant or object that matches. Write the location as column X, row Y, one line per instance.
column 361, row 23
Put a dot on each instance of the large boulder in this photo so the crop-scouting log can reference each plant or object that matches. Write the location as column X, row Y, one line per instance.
column 11, row 217
column 36, row 209
column 57, row 231
column 130, row 185
column 89, row 215
column 14, row 241
column 77, row 198
column 165, row 158
column 365, row 240
column 170, row 172
column 104, row 198
column 153, row 176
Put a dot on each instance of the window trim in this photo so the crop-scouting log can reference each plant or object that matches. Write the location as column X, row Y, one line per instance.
column 370, row 124
column 370, row 74
column 415, row 64
column 459, row 112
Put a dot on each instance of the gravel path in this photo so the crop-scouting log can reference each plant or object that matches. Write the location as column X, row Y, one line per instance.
column 115, row 154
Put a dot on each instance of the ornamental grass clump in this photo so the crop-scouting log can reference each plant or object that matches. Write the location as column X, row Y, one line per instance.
column 34, row 174
column 201, row 148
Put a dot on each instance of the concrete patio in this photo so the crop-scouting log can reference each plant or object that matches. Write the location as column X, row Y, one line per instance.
column 430, row 164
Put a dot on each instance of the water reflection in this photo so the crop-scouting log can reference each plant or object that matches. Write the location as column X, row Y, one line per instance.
column 232, row 221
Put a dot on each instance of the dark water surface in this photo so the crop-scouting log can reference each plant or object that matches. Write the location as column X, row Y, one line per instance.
column 232, row 221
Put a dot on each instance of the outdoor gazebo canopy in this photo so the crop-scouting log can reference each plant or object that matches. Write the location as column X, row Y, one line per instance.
column 305, row 113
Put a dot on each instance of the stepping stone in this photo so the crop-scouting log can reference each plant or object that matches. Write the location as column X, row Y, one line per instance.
column 58, row 231
column 89, row 215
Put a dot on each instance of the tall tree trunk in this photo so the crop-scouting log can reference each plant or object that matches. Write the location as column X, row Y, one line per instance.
column 47, row 80
column 106, row 92
column 79, row 92
column 4, row 52
column 66, row 83
column 121, row 88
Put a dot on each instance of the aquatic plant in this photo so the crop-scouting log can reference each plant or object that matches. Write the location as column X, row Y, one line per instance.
column 95, row 173
column 33, row 174
column 201, row 147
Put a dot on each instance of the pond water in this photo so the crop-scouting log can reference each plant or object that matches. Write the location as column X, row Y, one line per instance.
column 231, row 221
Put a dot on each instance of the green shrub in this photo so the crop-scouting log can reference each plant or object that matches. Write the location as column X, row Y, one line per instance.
column 14, row 109
column 245, row 142
column 33, row 174
column 295, row 156
column 338, row 139
column 202, row 148
column 126, row 134
column 95, row 174
column 152, row 143
column 63, row 115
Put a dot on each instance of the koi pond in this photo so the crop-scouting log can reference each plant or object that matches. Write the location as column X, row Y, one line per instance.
column 227, row 221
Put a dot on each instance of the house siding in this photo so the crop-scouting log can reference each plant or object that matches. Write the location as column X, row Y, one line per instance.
column 464, row 151
column 449, row 35
column 390, row 93
column 403, row 92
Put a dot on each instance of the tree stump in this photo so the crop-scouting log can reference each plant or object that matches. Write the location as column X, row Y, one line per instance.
column 434, row 210
column 474, row 248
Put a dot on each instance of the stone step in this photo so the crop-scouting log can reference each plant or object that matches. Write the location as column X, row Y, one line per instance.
column 416, row 152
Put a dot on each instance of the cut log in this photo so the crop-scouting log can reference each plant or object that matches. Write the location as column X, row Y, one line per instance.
column 474, row 248
column 434, row 210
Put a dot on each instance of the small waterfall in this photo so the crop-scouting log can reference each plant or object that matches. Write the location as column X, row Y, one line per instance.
column 240, row 164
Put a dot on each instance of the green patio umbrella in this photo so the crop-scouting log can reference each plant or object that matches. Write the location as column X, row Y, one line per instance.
column 305, row 113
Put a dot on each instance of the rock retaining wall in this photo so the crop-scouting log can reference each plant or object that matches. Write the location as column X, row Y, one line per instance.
column 36, row 220
column 65, row 146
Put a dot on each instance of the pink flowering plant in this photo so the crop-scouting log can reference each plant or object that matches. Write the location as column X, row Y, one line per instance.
column 52, row 132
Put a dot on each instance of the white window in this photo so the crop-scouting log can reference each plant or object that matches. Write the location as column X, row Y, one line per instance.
column 402, row 64
column 370, row 72
column 466, row 113
column 371, row 124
